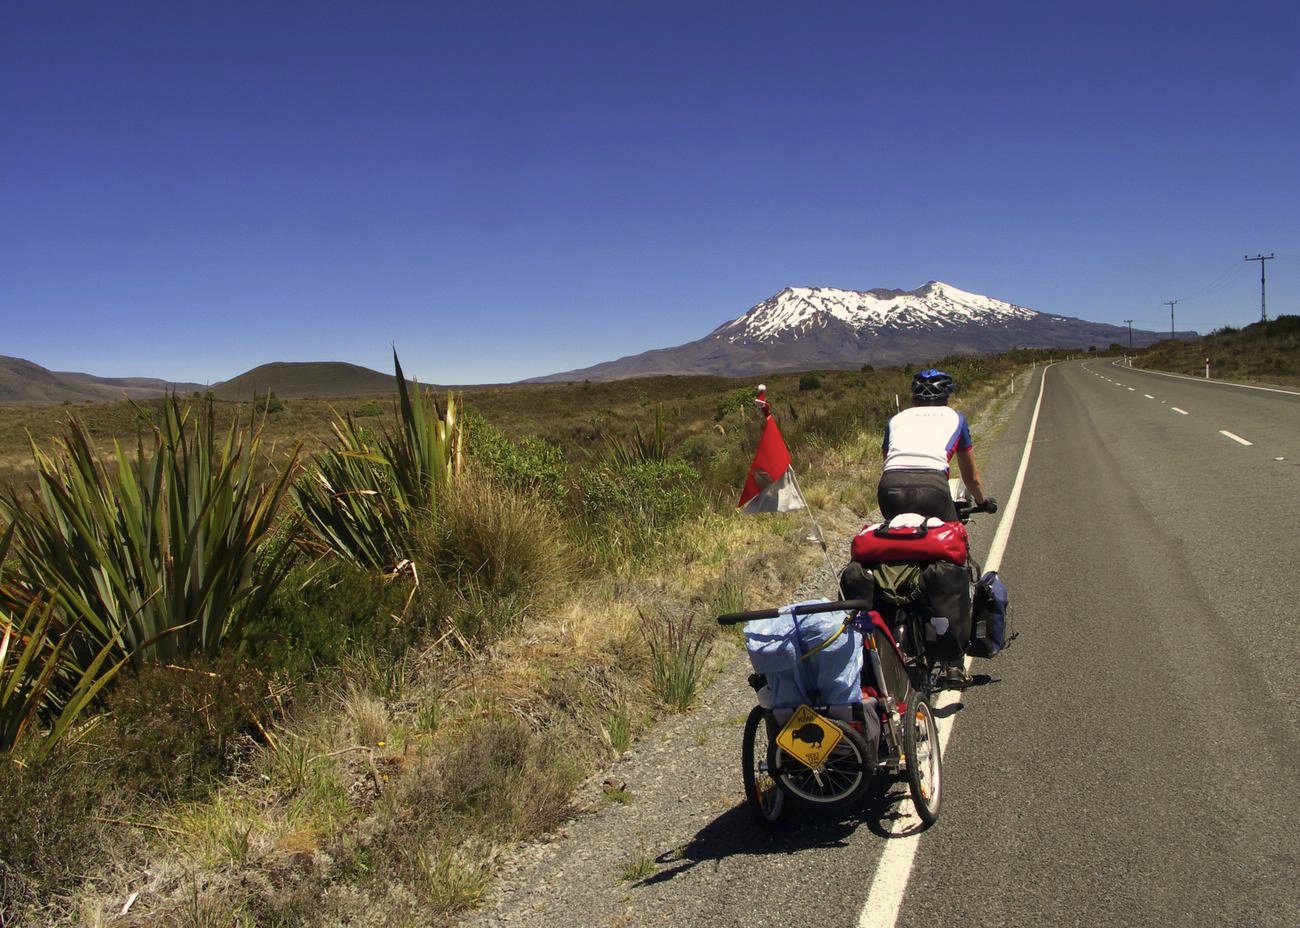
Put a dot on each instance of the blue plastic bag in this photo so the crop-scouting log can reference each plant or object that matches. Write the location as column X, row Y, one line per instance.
column 830, row 677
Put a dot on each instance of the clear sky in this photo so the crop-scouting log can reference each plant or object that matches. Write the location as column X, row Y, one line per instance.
column 508, row 189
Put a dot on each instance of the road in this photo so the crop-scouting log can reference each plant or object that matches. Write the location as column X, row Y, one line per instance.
column 1131, row 761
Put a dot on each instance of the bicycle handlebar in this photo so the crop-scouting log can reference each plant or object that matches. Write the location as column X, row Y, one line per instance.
column 842, row 605
column 965, row 508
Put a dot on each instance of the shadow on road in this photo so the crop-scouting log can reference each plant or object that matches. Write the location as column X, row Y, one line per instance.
column 805, row 826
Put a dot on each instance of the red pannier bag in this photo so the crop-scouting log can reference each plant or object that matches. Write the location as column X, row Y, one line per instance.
column 880, row 544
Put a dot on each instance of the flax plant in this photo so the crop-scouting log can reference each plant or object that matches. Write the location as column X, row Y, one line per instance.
column 164, row 554
column 363, row 499
column 38, row 678
column 640, row 447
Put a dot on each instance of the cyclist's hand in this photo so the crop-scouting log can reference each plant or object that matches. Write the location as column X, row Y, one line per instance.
column 990, row 505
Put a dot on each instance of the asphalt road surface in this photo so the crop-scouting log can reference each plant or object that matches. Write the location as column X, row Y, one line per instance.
column 1132, row 760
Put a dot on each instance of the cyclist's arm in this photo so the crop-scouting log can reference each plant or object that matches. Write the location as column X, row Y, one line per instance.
column 970, row 475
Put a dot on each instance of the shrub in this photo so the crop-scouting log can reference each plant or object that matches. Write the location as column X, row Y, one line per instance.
column 269, row 403
column 632, row 505
column 368, row 409
column 678, row 654
column 172, row 729
column 322, row 612
column 48, row 832
column 738, row 400
column 809, row 381
column 530, row 465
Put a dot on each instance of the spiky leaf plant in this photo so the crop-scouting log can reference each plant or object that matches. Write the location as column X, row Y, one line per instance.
column 39, row 679
column 163, row 554
column 363, row 498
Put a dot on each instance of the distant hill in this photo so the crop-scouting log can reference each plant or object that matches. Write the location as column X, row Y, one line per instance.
column 305, row 378
column 821, row 328
column 26, row 382
column 1266, row 352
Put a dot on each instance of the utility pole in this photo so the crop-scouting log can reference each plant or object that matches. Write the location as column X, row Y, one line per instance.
column 1130, row 333
column 1170, row 304
column 1261, row 258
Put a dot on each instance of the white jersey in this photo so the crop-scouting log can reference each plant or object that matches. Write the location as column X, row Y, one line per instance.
column 925, row 438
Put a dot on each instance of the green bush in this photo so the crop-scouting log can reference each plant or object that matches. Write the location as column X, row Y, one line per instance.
column 530, row 464
column 363, row 499
column 809, row 381
column 738, row 400
column 368, row 409
column 172, row 729
column 679, row 652
column 322, row 612
column 630, row 507
column 268, row 403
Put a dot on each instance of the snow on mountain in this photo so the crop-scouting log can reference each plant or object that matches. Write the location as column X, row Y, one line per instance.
column 797, row 310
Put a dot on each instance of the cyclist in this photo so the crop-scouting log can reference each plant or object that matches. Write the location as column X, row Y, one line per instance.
column 919, row 445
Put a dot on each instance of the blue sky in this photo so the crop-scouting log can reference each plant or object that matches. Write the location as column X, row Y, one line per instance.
column 503, row 190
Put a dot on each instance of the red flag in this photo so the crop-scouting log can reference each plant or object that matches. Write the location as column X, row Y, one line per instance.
column 770, row 486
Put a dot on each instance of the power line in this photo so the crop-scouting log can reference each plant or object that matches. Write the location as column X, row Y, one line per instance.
column 1130, row 333
column 1261, row 258
column 1170, row 304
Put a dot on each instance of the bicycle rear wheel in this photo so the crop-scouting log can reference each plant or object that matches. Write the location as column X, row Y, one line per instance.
column 763, row 794
column 924, row 763
column 843, row 778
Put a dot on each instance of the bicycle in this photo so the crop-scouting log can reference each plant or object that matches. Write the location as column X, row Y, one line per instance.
column 827, row 754
column 910, row 618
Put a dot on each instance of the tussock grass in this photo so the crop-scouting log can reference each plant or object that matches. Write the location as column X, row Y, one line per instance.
column 679, row 653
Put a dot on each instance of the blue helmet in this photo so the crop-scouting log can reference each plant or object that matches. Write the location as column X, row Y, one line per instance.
column 931, row 384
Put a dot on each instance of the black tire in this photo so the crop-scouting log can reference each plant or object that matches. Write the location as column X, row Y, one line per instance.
column 844, row 777
column 923, row 759
column 763, row 793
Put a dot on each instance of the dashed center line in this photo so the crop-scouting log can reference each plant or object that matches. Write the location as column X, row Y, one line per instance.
column 1130, row 389
column 1237, row 438
column 1181, row 412
column 1148, row 396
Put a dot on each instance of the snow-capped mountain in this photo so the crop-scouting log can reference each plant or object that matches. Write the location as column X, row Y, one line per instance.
column 809, row 328
column 797, row 311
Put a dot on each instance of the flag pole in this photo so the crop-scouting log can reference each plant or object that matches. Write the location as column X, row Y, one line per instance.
column 817, row 529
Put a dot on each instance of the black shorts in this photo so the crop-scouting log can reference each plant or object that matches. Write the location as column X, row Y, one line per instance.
column 921, row 491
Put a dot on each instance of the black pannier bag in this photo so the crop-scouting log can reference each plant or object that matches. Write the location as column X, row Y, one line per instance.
column 856, row 582
column 941, row 590
column 945, row 594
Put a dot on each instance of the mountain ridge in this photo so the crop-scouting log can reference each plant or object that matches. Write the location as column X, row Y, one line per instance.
column 23, row 381
column 805, row 328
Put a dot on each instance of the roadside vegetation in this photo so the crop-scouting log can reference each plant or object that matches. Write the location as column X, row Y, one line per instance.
column 1262, row 352
column 260, row 668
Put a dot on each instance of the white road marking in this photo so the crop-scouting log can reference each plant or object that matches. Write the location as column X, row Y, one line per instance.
column 1148, row 396
column 1130, row 390
column 1222, row 383
column 1237, row 438
column 885, row 899
column 1181, row 412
